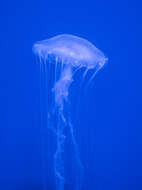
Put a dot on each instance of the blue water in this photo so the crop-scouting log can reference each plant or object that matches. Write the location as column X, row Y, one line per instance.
column 109, row 127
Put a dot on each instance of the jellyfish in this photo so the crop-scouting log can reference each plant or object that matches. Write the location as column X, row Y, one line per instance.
column 61, row 58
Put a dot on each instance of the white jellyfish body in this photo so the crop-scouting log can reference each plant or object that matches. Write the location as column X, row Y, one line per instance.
column 65, row 54
column 72, row 50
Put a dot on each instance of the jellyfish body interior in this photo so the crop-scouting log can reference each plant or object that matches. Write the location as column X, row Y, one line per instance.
column 62, row 56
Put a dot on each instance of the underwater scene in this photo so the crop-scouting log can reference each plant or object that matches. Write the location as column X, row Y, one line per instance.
column 70, row 96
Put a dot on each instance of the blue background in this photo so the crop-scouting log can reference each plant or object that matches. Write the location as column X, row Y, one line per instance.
column 110, row 131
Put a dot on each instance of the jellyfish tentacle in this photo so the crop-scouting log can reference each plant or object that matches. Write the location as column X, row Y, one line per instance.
column 85, row 73
column 58, row 156
column 77, row 156
column 93, row 75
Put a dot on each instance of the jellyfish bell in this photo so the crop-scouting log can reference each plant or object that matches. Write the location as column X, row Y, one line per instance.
column 71, row 50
